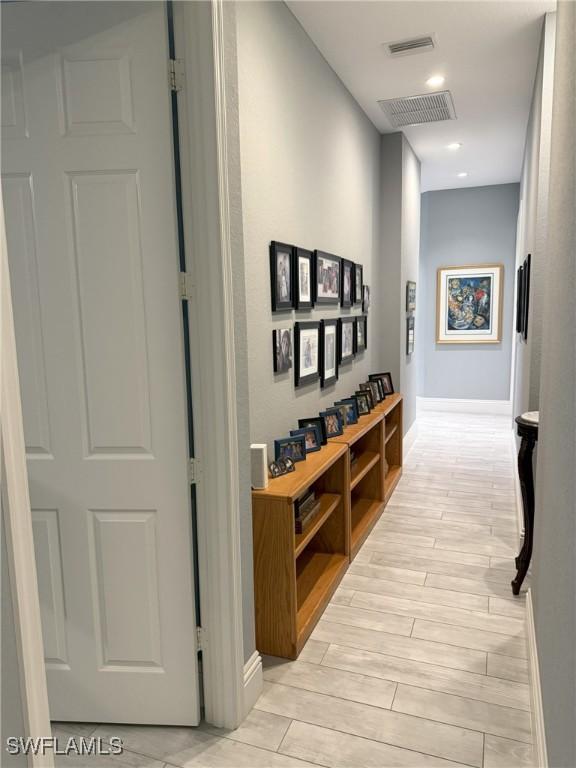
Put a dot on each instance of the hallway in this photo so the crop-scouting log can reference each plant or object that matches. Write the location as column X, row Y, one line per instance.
column 420, row 659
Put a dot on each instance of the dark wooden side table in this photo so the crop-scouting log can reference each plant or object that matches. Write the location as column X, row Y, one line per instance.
column 527, row 425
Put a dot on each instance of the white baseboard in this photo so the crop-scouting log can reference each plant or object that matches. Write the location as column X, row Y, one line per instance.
column 253, row 681
column 410, row 438
column 486, row 407
column 538, row 732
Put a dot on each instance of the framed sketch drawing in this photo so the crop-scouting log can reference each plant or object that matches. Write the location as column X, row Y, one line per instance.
column 410, row 334
column 469, row 304
column 282, row 347
column 328, row 352
column 346, row 340
column 347, row 283
column 303, row 278
column 410, row 296
column 327, row 278
column 306, row 352
column 281, row 274
column 358, row 282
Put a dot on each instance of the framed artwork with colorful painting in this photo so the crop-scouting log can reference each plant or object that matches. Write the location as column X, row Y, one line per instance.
column 469, row 304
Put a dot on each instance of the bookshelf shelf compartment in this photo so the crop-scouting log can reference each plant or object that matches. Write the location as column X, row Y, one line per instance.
column 364, row 464
column 328, row 503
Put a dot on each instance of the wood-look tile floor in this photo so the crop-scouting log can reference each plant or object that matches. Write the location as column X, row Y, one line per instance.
column 419, row 660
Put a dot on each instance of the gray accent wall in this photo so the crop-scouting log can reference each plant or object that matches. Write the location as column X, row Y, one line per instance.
column 310, row 177
column 475, row 225
column 554, row 560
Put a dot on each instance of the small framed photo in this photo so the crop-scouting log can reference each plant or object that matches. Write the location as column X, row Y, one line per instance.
column 362, row 398
column 333, row 422
column 329, row 352
column 360, row 326
column 317, row 422
column 282, row 349
column 358, row 272
column 274, row 469
column 365, row 387
column 410, row 334
column 380, row 385
column 293, row 447
column 410, row 296
column 365, row 298
column 303, row 279
column 311, row 435
column 374, row 390
column 386, row 381
column 285, row 465
column 351, row 410
column 327, row 278
column 346, row 340
column 281, row 272
column 347, row 297
column 306, row 352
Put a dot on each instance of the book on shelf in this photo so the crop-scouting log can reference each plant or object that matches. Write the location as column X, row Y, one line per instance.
column 305, row 509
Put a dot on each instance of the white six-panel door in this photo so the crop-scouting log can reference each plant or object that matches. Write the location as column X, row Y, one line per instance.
column 87, row 174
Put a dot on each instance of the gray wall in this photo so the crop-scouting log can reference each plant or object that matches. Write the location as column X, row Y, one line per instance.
column 554, row 561
column 310, row 176
column 400, row 248
column 532, row 221
column 476, row 225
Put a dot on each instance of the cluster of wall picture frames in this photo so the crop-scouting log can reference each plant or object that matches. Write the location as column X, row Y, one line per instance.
column 315, row 431
column 301, row 279
column 469, row 304
column 523, row 297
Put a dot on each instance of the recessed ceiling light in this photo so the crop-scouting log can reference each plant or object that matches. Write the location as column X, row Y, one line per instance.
column 454, row 146
column 435, row 81
column 463, row 175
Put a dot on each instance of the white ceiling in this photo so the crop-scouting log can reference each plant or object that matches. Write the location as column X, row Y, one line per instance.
column 487, row 52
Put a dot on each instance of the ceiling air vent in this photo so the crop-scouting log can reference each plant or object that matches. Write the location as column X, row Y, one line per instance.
column 414, row 110
column 414, row 45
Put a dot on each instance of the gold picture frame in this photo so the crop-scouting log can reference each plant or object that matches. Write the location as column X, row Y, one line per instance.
column 469, row 302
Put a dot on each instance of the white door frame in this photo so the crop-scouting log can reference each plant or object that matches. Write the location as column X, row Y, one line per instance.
column 18, row 530
column 211, row 234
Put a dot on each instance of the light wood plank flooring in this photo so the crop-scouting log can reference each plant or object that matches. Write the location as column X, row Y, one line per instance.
column 420, row 659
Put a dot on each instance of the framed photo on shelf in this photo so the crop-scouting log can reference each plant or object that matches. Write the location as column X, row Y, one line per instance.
column 410, row 334
column 351, row 409
column 374, row 390
column 365, row 387
column 306, row 352
column 346, row 340
column 282, row 349
column 386, row 379
column 328, row 352
column 311, row 434
column 363, row 399
column 410, row 296
column 281, row 273
column 317, row 422
column 333, row 422
column 469, row 304
column 360, row 328
column 326, row 278
column 293, row 447
column 303, row 279
column 365, row 298
column 347, row 292
column 358, row 273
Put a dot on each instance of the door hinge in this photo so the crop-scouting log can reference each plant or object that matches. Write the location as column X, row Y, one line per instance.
column 193, row 470
column 185, row 285
column 199, row 638
column 176, row 74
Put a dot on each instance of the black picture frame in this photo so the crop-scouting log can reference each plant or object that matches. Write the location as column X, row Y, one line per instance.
column 363, row 401
column 519, row 298
column 331, row 429
column 351, row 405
column 281, row 269
column 328, row 352
column 293, row 447
column 327, row 269
column 360, row 334
column 282, row 349
column 315, row 421
column 303, row 300
column 410, row 335
column 410, row 296
column 358, row 283
column 305, row 432
column 386, row 381
column 346, row 333
column 347, row 279
column 365, row 387
column 526, row 292
column 365, row 299
column 300, row 348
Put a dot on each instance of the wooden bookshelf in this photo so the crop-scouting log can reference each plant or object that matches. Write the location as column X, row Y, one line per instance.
column 295, row 575
column 391, row 408
column 367, row 484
